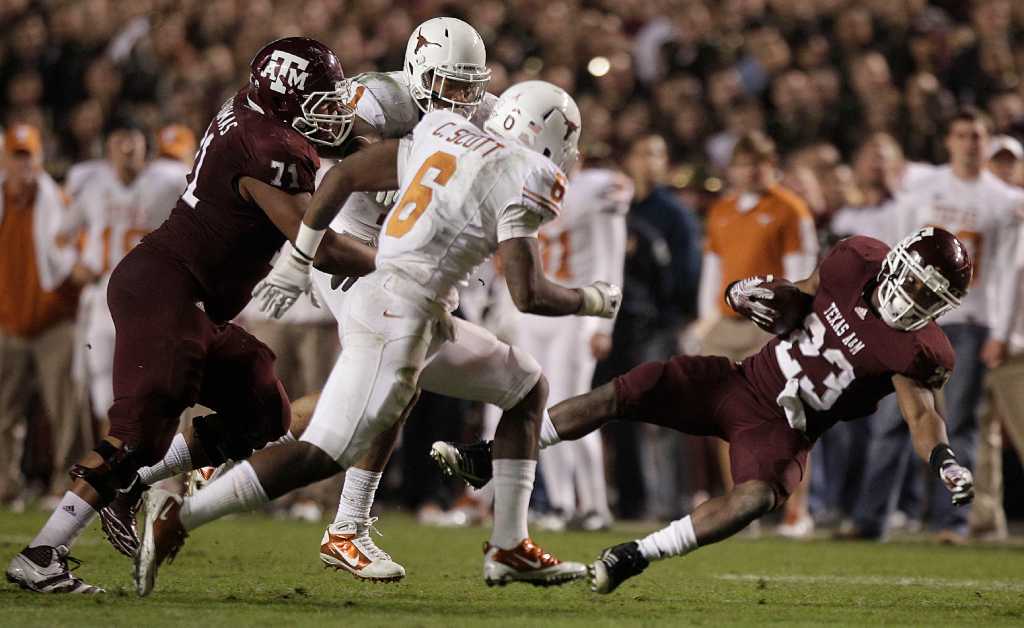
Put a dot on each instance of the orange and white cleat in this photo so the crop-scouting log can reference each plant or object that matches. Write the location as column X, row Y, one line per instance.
column 199, row 478
column 527, row 562
column 347, row 545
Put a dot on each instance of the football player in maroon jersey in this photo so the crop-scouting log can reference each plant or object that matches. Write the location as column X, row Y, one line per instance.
column 172, row 297
column 863, row 329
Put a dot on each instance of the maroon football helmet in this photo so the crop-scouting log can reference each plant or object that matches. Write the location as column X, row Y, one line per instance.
column 300, row 82
column 925, row 275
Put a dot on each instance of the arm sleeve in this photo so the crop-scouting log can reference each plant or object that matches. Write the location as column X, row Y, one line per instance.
column 610, row 243
column 518, row 221
column 708, row 303
column 799, row 245
column 367, row 106
column 404, row 151
column 1000, row 283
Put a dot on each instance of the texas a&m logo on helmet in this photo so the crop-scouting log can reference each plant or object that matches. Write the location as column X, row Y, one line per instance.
column 300, row 82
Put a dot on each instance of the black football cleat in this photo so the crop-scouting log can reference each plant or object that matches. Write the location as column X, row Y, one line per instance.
column 471, row 463
column 118, row 518
column 616, row 565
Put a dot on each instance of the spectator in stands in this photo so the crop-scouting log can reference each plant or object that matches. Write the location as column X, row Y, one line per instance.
column 1004, row 410
column 757, row 228
column 39, row 281
column 969, row 201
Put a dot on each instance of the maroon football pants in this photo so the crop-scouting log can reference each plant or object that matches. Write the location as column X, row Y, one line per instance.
column 169, row 355
column 708, row 396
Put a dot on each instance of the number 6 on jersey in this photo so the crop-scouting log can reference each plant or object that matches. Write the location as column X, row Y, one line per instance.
column 416, row 199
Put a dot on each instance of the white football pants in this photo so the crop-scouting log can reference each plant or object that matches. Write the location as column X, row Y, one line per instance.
column 394, row 342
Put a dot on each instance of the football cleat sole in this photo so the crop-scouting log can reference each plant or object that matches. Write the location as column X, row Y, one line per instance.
column 333, row 563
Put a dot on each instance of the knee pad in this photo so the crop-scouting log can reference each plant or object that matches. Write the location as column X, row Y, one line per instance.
column 118, row 471
column 222, row 440
column 527, row 372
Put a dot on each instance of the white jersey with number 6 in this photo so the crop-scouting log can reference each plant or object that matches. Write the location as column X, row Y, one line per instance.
column 462, row 192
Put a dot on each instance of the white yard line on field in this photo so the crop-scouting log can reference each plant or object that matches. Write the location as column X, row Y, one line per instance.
column 891, row 581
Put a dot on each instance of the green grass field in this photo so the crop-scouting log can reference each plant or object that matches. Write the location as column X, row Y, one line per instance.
column 255, row 571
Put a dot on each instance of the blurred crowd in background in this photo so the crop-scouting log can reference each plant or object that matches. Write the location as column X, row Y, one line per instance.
column 834, row 101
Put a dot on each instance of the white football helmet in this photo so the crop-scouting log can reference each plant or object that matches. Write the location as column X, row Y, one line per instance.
column 542, row 116
column 445, row 61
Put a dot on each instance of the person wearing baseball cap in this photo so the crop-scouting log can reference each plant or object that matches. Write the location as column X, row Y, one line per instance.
column 176, row 141
column 1006, row 159
column 1003, row 414
column 40, row 288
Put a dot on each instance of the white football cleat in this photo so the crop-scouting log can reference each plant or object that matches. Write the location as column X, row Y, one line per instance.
column 802, row 528
column 527, row 562
column 162, row 538
column 347, row 545
column 44, row 569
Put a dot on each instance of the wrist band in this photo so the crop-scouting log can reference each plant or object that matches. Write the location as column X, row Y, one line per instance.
column 940, row 456
column 307, row 241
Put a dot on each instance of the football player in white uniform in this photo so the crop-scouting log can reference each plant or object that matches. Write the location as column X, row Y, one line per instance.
column 464, row 195
column 445, row 66
column 121, row 200
column 586, row 243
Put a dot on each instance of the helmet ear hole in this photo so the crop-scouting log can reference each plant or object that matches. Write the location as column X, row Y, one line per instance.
column 547, row 152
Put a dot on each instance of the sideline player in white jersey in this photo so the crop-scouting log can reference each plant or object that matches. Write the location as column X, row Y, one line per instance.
column 464, row 195
column 985, row 213
column 586, row 243
column 121, row 200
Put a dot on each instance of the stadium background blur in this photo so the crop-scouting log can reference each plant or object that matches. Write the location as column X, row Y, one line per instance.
column 819, row 77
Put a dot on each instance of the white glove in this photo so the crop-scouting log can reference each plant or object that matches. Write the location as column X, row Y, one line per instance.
column 288, row 279
column 600, row 299
column 959, row 481
column 387, row 198
column 745, row 296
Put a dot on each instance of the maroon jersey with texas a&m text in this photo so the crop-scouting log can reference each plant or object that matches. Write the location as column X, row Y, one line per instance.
column 840, row 363
column 226, row 242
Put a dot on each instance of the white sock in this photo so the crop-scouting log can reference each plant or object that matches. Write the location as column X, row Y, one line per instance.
column 237, row 490
column 513, row 483
column 72, row 515
column 178, row 459
column 357, row 494
column 548, row 434
column 675, row 539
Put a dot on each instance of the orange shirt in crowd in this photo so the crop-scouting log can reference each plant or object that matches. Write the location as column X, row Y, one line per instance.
column 25, row 308
column 753, row 242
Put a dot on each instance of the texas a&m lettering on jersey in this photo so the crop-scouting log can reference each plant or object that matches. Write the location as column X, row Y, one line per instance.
column 839, row 364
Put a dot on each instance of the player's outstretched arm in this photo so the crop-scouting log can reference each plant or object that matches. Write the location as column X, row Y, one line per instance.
column 534, row 293
column 338, row 254
column 371, row 169
column 928, row 433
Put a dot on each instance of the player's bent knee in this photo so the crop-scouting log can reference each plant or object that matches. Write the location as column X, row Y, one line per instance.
column 117, row 470
column 756, row 498
column 635, row 389
column 316, row 463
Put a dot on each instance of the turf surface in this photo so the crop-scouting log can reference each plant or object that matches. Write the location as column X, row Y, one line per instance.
column 255, row 571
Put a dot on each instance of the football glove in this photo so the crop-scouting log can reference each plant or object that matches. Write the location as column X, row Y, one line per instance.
column 748, row 296
column 600, row 299
column 287, row 280
column 959, row 481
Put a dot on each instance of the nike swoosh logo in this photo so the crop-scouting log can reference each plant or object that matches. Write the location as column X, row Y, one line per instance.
column 533, row 564
column 167, row 509
column 353, row 561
